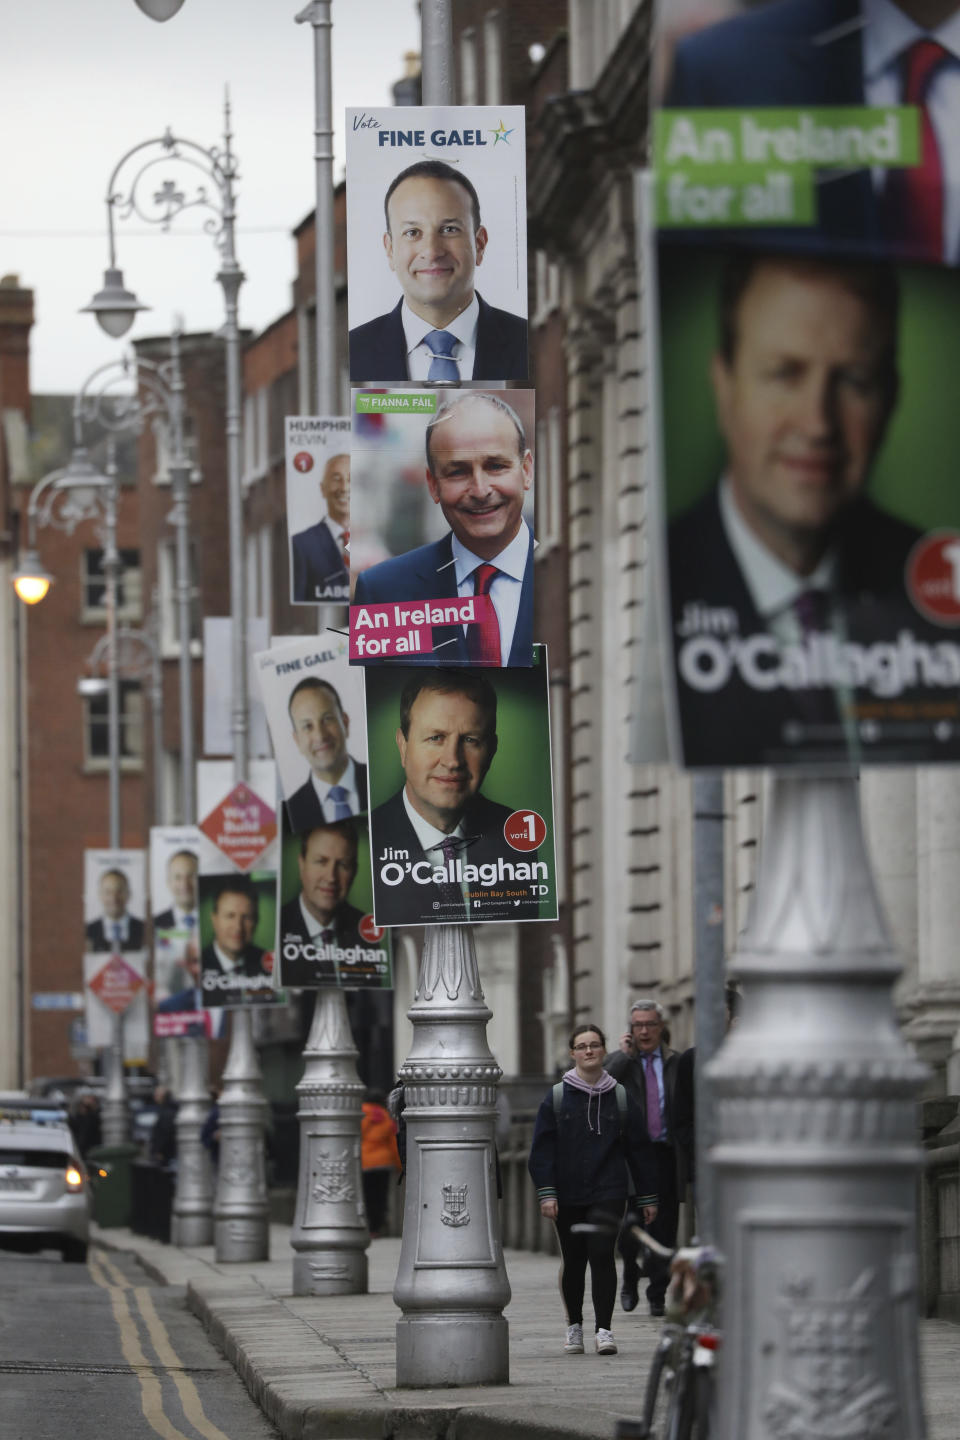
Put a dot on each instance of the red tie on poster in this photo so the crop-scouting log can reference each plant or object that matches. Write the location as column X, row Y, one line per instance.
column 483, row 638
column 913, row 199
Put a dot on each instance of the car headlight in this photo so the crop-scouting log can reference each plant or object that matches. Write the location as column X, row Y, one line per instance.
column 73, row 1178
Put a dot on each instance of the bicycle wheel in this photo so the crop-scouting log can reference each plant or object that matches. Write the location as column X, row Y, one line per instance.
column 681, row 1415
column 656, row 1399
column 703, row 1401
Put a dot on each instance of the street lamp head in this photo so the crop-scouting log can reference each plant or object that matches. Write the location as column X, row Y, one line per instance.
column 160, row 9
column 91, row 687
column 31, row 580
column 114, row 306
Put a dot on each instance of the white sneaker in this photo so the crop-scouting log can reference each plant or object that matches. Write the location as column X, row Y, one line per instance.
column 605, row 1343
column 573, row 1345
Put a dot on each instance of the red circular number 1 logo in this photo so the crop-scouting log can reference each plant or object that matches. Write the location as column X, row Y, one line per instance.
column 525, row 830
column 370, row 930
column 303, row 461
column 933, row 577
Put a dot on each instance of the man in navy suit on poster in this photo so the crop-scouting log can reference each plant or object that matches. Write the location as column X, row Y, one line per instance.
column 478, row 471
column 319, row 553
column 439, row 819
column 116, row 929
column 336, row 787
column 847, row 52
column 788, row 548
column 441, row 329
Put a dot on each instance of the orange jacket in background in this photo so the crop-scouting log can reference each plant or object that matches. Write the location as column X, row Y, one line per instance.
column 378, row 1139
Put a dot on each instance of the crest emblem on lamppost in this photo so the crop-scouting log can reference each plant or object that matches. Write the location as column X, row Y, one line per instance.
column 833, row 1388
column 333, row 1178
column 455, row 1210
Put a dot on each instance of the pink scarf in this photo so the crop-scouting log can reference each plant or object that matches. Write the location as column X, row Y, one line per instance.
column 605, row 1083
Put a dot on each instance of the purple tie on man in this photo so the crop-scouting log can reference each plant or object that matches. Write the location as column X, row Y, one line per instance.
column 635, row 1066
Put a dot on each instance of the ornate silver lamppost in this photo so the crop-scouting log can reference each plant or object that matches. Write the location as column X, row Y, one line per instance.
column 817, row 1155
column 64, row 499
column 138, row 657
column 330, row 1234
column 240, row 1208
column 193, row 1199
column 121, row 397
column 451, row 1283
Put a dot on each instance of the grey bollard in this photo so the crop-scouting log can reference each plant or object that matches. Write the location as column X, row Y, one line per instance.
column 192, row 1222
column 115, row 1114
column 451, row 1282
column 241, row 1228
column 817, row 1155
column 330, row 1234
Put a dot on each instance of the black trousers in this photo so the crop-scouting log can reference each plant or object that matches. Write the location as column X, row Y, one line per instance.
column 376, row 1189
column 664, row 1228
column 578, row 1251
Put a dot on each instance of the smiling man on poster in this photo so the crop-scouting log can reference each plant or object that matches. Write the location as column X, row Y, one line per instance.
column 441, row 329
column 234, row 970
column 115, row 929
column 788, row 583
column 437, row 842
column 319, row 919
column 479, row 470
column 320, row 554
column 337, row 784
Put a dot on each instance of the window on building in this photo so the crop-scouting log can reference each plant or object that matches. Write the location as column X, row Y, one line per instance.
column 468, row 68
column 492, row 58
column 93, row 585
column 256, row 435
column 169, row 610
column 546, row 297
column 283, row 402
column 260, row 573
column 96, row 729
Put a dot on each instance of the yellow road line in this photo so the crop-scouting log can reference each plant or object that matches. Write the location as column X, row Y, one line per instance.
column 160, row 1339
column 151, row 1395
column 189, row 1396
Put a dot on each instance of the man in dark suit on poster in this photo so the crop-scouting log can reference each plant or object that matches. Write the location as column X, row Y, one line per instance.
column 182, row 868
column 881, row 53
column 447, row 740
column 441, row 329
column 336, row 787
column 116, row 929
column 787, row 554
column 320, row 553
column 320, row 914
column 235, row 971
column 479, row 470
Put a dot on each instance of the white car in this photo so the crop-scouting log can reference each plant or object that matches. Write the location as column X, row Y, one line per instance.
column 44, row 1190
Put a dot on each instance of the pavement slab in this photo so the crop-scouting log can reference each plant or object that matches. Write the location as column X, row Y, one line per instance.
column 325, row 1368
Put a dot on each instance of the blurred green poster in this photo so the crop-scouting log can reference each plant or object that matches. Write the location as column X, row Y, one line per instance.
column 809, row 428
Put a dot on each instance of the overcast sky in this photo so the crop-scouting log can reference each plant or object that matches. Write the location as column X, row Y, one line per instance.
column 85, row 80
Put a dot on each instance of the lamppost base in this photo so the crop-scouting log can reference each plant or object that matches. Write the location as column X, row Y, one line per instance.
column 330, row 1272
column 241, row 1241
column 191, row 1231
column 452, row 1349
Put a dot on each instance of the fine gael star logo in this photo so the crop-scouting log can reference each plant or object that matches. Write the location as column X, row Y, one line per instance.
column 501, row 133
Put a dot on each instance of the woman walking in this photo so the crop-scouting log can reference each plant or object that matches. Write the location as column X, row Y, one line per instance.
column 588, row 1131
